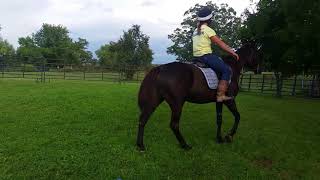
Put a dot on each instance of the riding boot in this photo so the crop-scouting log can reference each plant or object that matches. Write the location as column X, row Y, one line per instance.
column 222, row 89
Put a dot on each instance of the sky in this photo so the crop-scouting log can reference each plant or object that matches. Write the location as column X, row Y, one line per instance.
column 102, row 21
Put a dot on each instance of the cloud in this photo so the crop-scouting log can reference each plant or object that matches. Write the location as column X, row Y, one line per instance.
column 148, row 3
column 100, row 21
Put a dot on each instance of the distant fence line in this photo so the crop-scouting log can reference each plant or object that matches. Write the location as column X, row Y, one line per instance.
column 48, row 71
column 307, row 86
column 287, row 86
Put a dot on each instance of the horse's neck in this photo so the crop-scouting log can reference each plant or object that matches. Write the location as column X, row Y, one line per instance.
column 235, row 66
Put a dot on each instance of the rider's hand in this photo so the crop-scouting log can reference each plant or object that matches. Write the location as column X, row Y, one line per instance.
column 236, row 56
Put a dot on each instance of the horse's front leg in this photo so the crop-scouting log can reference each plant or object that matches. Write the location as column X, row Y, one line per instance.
column 219, row 106
column 176, row 108
column 233, row 108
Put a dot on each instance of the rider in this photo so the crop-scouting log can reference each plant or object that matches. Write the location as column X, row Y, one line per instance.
column 202, row 39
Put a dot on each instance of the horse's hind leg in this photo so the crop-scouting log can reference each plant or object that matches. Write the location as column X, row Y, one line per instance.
column 176, row 109
column 219, row 106
column 144, row 117
column 233, row 108
column 146, row 111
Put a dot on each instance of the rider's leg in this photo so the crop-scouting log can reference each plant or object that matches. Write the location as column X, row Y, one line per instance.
column 218, row 65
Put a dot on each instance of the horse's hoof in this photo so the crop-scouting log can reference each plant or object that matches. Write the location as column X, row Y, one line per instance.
column 228, row 138
column 141, row 148
column 220, row 140
column 186, row 147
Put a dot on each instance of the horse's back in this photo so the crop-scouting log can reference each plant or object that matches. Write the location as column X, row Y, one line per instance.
column 176, row 76
column 185, row 81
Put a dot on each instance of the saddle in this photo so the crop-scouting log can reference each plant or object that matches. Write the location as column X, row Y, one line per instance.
column 199, row 63
column 211, row 76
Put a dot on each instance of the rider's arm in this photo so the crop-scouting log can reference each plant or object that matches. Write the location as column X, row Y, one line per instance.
column 224, row 46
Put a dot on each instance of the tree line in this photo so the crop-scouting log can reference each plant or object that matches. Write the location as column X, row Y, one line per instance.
column 53, row 44
column 287, row 38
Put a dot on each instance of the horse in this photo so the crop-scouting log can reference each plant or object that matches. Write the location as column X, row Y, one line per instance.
column 179, row 82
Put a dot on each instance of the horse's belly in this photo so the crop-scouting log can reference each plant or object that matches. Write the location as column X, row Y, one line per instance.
column 202, row 97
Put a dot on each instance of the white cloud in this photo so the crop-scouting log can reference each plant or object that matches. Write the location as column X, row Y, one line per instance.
column 100, row 21
column 148, row 3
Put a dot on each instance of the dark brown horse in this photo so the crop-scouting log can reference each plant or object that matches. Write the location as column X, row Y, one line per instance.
column 177, row 83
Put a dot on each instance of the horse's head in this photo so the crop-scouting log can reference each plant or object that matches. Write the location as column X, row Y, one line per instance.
column 249, row 56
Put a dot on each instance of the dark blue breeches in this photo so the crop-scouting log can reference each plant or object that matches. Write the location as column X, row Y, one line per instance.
column 218, row 65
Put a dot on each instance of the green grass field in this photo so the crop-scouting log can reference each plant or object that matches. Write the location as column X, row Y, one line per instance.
column 87, row 130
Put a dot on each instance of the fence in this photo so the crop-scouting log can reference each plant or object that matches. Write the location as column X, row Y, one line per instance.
column 46, row 72
column 291, row 86
column 261, row 83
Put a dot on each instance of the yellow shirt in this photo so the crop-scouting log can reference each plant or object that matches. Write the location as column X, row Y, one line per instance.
column 202, row 42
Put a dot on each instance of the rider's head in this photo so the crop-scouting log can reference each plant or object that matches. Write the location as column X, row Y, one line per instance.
column 205, row 15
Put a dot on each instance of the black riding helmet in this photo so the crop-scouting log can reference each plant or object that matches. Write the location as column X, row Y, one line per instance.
column 205, row 14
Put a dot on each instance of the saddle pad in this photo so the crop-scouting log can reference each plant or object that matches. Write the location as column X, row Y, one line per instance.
column 211, row 77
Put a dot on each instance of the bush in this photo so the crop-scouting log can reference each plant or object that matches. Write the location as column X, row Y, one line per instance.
column 29, row 68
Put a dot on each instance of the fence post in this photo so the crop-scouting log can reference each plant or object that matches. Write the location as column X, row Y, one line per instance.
column 24, row 68
column 250, row 82
column 137, row 70
column 84, row 74
column 102, row 75
column 119, row 77
column 312, row 86
column 2, row 70
column 279, row 84
column 241, row 80
column 44, row 72
column 262, row 88
column 64, row 69
column 271, row 82
column 293, row 93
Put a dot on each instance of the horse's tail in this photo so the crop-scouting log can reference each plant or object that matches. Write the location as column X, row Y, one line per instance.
column 148, row 93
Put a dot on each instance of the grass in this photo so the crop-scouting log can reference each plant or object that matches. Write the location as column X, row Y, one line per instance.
column 87, row 130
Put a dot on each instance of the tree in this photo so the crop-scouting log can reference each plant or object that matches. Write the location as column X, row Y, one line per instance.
column 6, row 49
column 288, row 36
column 52, row 42
column 104, row 55
column 225, row 23
column 131, row 50
column 28, row 51
column 81, row 47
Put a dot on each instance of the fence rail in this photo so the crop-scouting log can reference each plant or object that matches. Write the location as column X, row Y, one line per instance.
column 47, row 72
column 262, row 83
column 292, row 86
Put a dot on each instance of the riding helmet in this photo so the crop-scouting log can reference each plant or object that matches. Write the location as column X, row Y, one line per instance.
column 204, row 14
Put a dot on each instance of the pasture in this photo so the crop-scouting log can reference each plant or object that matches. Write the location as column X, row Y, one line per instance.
column 84, row 129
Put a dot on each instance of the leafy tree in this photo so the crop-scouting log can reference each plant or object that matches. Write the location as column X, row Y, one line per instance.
column 288, row 36
column 131, row 50
column 81, row 47
column 6, row 49
column 28, row 51
column 52, row 42
column 78, row 53
column 104, row 55
column 225, row 23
